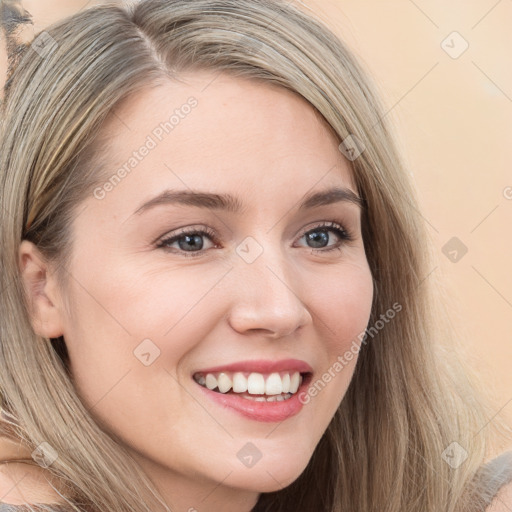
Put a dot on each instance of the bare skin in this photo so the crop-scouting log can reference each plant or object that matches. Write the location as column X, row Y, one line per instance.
column 269, row 148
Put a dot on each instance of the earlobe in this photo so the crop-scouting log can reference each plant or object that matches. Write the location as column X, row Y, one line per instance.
column 40, row 289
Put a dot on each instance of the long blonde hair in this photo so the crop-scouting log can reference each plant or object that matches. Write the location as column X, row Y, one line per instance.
column 409, row 399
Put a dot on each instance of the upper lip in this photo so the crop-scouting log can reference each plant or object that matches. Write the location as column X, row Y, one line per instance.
column 261, row 366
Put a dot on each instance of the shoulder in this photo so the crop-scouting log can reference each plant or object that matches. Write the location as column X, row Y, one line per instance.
column 21, row 484
column 502, row 502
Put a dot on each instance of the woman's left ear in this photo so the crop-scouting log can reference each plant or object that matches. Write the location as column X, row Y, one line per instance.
column 41, row 290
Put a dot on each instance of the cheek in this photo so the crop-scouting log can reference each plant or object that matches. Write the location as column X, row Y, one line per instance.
column 345, row 306
column 141, row 323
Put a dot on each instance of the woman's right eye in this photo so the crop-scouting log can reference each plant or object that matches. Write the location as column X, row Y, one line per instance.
column 186, row 239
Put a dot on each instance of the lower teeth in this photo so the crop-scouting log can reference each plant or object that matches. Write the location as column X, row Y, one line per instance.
column 258, row 398
column 272, row 398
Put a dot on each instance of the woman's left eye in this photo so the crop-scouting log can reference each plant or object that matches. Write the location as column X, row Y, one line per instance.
column 343, row 234
column 192, row 239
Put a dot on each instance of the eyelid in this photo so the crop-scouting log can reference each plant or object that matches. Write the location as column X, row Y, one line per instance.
column 325, row 224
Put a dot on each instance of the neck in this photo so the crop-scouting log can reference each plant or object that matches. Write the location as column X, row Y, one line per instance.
column 186, row 494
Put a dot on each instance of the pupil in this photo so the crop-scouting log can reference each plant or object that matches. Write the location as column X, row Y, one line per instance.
column 314, row 238
column 197, row 244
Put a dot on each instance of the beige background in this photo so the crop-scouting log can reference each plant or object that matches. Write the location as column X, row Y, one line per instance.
column 454, row 120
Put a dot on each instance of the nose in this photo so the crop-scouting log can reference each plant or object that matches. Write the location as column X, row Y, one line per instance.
column 267, row 298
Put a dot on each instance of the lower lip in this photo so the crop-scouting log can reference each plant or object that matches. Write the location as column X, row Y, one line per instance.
column 258, row 411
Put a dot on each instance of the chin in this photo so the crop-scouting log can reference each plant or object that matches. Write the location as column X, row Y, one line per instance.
column 270, row 475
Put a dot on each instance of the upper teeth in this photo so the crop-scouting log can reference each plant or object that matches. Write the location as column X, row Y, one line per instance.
column 254, row 383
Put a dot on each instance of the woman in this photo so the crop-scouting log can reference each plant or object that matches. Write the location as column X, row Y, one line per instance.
column 182, row 329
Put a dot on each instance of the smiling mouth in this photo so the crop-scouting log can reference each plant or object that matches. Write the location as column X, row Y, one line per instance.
column 259, row 387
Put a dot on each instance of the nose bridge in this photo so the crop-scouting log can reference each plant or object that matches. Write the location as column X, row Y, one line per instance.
column 267, row 295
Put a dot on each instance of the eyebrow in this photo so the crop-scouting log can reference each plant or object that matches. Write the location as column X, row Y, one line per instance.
column 230, row 203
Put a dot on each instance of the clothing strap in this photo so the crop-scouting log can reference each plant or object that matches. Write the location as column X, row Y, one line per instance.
column 491, row 477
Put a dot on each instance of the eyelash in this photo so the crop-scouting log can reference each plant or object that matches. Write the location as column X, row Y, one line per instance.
column 344, row 234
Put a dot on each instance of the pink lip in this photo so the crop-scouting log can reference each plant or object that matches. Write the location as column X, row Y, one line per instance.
column 262, row 366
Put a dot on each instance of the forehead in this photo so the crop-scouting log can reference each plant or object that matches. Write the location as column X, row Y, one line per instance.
column 221, row 132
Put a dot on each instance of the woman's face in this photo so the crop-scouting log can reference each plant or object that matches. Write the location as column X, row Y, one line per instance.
column 194, row 265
